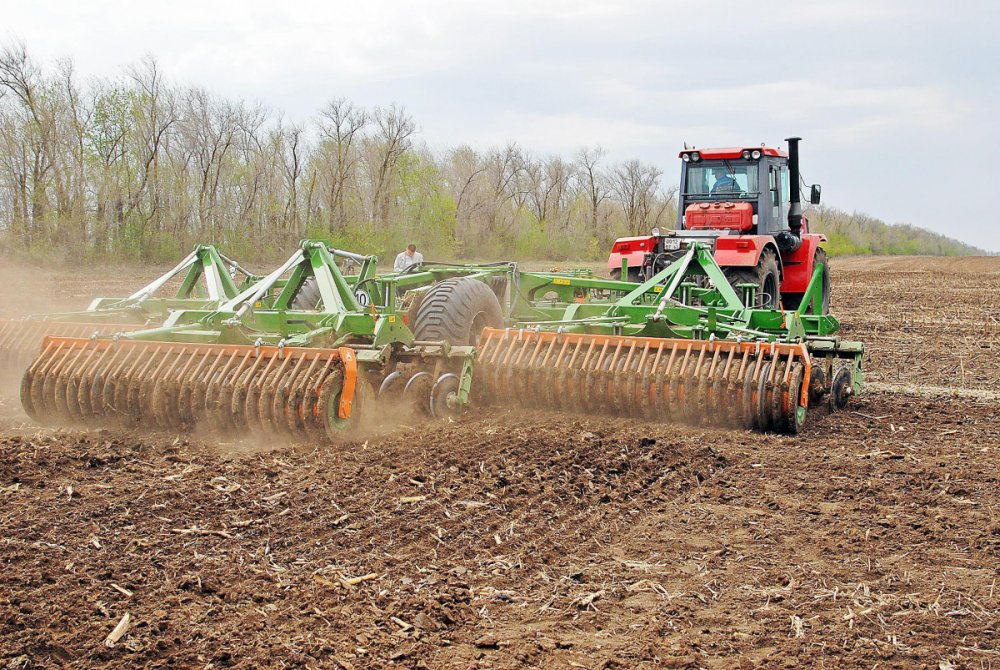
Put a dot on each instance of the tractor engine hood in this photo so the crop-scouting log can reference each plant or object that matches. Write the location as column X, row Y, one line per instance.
column 729, row 216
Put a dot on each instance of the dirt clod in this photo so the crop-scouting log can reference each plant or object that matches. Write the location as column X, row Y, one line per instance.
column 525, row 539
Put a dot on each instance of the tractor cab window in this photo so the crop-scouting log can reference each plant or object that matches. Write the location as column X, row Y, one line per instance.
column 722, row 180
column 778, row 187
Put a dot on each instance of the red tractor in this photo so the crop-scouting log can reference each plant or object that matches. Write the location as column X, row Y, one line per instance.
column 745, row 201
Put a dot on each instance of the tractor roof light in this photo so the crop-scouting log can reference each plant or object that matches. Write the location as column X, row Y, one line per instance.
column 695, row 156
column 686, row 157
column 746, row 155
column 756, row 154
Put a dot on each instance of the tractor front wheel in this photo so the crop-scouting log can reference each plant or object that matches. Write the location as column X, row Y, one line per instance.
column 765, row 275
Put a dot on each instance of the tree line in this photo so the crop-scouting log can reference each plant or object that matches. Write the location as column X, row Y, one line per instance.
column 139, row 168
column 858, row 234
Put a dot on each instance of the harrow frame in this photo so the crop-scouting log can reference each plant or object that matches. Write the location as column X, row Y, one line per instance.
column 683, row 345
column 208, row 278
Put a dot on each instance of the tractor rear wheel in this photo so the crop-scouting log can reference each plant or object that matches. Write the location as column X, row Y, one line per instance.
column 793, row 300
column 765, row 275
column 633, row 275
column 456, row 311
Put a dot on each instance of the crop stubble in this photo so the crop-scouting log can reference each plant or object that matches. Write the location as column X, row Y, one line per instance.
column 524, row 539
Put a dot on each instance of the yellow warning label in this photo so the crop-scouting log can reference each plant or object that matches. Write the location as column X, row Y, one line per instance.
column 657, row 289
column 392, row 318
column 560, row 281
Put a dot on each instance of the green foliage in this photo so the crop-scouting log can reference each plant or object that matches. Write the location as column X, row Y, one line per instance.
column 428, row 211
column 139, row 170
column 135, row 241
column 840, row 245
column 857, row 234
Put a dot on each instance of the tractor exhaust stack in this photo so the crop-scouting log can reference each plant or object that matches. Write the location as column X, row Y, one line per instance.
column 790, row 240
column 795, row 199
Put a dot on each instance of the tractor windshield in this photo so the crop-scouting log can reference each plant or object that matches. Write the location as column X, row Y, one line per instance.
column 722, row 180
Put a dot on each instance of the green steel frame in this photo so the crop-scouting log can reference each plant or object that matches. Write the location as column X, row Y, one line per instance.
column 208, row 279
column 689, row 299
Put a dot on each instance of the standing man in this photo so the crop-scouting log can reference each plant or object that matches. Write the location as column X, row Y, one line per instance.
column 407, row 258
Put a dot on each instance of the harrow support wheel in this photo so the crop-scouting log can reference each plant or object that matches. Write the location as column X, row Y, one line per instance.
column 362, row 411
column 417, row 390
column 444, row 397
column 794, row 413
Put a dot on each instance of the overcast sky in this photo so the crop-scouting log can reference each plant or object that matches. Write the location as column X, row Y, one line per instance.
column 897, row 101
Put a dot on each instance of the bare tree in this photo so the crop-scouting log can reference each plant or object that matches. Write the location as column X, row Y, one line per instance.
column 293, row 163
column 21, row 78
column 465, row 170
column 635, row 184
column 594, row 183
column 211, row 128
column 504, row 168
column 341, row 124
column 392, row 140
column 154, row 116
column 138, row 167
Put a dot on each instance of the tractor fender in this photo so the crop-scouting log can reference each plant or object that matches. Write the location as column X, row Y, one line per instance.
column 798, row 265
column 632, row 248
column 745, row 250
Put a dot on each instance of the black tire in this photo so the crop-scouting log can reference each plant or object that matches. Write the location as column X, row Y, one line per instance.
column 456, row 311
column 633, row 275
column 498, row 284
column 792, row 301
column 765, row 275
column 308, row 296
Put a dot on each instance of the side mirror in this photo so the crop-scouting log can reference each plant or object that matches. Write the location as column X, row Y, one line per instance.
column 814, row 192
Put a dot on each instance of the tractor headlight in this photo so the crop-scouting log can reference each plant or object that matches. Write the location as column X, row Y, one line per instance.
column 696, row 156
column 686, row 157
column 746, row 155
column 756, row 154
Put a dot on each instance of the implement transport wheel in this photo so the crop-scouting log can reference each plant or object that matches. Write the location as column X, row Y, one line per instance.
column 793, row 300
column 308, row 296
column 765, row 275
column 456, row 311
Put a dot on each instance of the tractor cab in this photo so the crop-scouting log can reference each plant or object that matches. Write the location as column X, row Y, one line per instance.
column 745, row 190
column 745, row 203
column 737, row 189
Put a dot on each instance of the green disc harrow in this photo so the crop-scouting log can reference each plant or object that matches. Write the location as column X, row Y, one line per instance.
column 313, row 353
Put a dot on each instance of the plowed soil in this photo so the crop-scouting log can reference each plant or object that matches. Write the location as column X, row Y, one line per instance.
column 521, row 539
